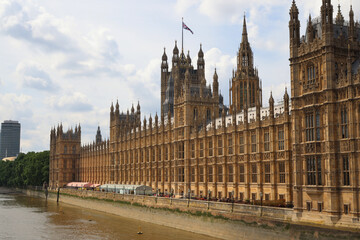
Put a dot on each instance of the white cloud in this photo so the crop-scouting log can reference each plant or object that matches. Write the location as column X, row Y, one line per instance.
column 34, row 76
column 73, row 102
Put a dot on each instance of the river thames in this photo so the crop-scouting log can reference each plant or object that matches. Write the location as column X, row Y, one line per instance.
column 23, row 217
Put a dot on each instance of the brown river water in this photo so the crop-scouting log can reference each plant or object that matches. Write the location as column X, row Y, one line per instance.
column 23, row 217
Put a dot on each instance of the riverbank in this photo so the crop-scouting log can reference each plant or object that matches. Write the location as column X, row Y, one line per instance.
column 218, row 226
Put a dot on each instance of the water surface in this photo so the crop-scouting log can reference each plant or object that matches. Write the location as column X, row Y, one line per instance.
column 23, row 217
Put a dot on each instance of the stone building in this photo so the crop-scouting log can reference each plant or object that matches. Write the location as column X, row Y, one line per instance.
column 305, row 152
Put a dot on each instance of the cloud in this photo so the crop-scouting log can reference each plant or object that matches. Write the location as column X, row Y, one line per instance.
column 15, row 106
column 26, row 21
column 33, row 76
column 74, row 102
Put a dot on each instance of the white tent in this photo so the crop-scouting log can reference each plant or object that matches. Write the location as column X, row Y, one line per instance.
column 127, row 189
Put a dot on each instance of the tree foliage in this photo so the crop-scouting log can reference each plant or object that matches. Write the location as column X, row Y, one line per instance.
column 31, row 169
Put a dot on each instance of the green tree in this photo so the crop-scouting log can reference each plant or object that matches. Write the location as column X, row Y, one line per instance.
column 27, row 169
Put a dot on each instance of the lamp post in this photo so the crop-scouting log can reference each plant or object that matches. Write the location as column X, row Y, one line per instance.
column 209, row 192
column 189, row 193
column 232, row 196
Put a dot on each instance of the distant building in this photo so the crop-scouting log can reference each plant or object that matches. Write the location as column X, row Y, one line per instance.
column 10, row 139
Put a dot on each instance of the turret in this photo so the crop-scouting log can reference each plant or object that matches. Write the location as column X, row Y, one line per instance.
column 310, row 31
column 327, row 18
column 215, row 85
column 98, row 136
column 286, row 102
column 339, row 17
column 175, row 59
column 164, row 64
column 117, row 111
column 352, row 36
column 271, row 105
column 112, row 112
column 201, row 62
column 294, row 28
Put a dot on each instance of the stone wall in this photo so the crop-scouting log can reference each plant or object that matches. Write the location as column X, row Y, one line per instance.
column 228, row 210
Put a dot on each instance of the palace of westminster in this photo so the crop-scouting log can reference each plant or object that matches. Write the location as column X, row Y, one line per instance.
column 305, row 150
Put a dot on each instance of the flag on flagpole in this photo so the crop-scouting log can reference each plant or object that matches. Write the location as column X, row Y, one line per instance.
column 187, row 28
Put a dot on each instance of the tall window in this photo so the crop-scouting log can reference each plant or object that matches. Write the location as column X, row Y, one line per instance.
column 210, row 171
column 153, row 154
column 242, row 172
column 220, row 173
column 346, row 171
column 181, row 175
column 267, row 172
column 313, row 166
column 201, row 148
column 181, row 150
column 266, row 142
column 192, row 149
column 220, row 147
column 192, row 174
column 166, row 153
column 201, row 171
column 230, row 173
column 253, row 142
column 241, row 143
column 281, row 139
column 159, row 175
column 159, row 153
column 312, row 123
column 230, row 145
column 210, row 148
column 208, row 115
column 166, row 175
column 344, row 123
column 282, row 172
column 253, row 173
column 311, row 74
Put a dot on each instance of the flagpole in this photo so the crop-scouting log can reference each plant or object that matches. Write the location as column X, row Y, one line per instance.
column 182, row 34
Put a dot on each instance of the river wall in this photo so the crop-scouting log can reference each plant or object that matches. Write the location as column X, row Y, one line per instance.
column 220, row 220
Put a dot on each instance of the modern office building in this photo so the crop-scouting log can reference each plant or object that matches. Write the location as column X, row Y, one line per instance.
column 10, row 139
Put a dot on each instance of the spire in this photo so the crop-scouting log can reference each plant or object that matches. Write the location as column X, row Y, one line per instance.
column 98, row 135
column 176, row 50
column 138, row 107
column 339, row 18
column 112, row 107
column 215, row 85
column 188, row 60
column 201, row 53
column 244, row 33
column 164, row 56
column 117, row 107
column 351, row 24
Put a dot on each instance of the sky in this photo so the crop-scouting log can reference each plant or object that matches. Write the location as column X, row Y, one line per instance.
column 67, row 61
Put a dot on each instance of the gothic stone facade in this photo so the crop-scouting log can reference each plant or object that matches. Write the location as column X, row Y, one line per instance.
column 306, row 153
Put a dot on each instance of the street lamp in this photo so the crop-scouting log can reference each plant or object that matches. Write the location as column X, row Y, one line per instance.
column 209, row 192
column 189, row 193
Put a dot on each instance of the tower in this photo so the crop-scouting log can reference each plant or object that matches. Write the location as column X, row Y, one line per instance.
column 324, row 65
column 64, row 156
column 245, row 85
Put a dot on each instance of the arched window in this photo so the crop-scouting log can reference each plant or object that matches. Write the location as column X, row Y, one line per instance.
column 311, row 74
column 245, row 60
column 65, row 149
column 208, row 114
column 195, row 113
